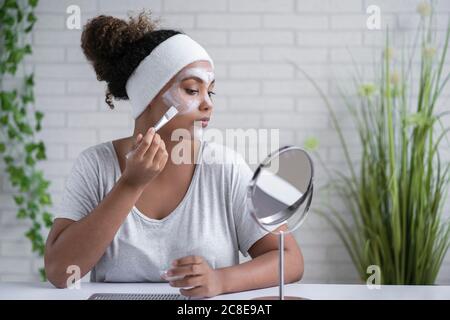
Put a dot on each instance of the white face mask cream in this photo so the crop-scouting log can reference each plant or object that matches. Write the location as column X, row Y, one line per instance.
column 180, row 102
column 175, row 95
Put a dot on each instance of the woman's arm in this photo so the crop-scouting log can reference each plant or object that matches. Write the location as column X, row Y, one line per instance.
column 83, row 242
column 262, row 270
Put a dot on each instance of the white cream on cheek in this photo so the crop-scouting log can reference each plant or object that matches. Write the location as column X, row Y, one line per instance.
column 184, row 103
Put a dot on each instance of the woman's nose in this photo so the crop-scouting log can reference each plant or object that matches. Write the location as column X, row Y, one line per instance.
column 206, row 104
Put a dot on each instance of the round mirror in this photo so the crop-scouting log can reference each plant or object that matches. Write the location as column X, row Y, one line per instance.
column 277, row 190
column 280, row 185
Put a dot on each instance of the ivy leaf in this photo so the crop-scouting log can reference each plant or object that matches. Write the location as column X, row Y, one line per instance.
column 38, row 115
column 6, row 102
column 43, row 185
column 14, row 178
column 11, row 4
column 31, row 17
column 30, row 161
column 4, row 120
column 19, row 200
column 15, row 56
column 21, row 214
column 40, row 155
column 25, row 128
column 48, row 219
column 12, row 69
column 42, row 274
column 17, row 116
column 29, row 147
column 27, row 49
column 45, row 199
column 24, row 184
column 12, row 133
column 8, row 20
column 10, row 39
column 32, row 206
column 41, row 247
column 26, row 98
column 30, row 235
column 2, row 147
column 8, row 160
column 19, row 16
column 29, row 80
column 33, row 3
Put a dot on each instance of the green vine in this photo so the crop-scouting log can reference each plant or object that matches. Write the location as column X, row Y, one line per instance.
column 18, row 144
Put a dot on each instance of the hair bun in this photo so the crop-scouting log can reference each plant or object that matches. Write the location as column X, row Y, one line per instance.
column 105, row 38
column 115, row 47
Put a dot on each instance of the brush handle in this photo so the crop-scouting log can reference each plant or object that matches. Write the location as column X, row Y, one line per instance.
column 160, row 123
column 157, row 126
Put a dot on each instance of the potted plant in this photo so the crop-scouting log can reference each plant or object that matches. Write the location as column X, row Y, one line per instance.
column 396, row 192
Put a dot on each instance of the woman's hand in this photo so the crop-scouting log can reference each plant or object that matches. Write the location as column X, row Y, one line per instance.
column 205, row 281
column 147, row 160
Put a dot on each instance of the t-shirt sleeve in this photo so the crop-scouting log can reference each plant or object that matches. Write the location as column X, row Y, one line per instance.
column 247, row 228
column 80, row 195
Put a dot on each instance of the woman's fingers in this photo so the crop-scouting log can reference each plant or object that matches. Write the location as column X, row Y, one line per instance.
column 191, row 281
column 135, row 145
column 191, row 270
column 197, row 275
column 149, row 158
column 137, row 141
column 160, row 158
column 151, row 151
column 193, row 259
column 145, row 143
column 193, row 292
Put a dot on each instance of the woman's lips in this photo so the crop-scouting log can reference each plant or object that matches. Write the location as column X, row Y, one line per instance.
column 204, row 121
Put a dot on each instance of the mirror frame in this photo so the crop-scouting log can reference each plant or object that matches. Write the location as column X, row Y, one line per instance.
column 279, row 217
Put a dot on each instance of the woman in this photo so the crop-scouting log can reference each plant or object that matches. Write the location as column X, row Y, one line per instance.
column 126, row 218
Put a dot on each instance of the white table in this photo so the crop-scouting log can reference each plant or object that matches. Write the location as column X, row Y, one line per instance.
column 45, row 291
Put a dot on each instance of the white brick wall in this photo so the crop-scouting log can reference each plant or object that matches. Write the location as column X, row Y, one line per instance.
column 250, row 41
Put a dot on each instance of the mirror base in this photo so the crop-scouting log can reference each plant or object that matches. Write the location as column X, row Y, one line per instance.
column 278, row 298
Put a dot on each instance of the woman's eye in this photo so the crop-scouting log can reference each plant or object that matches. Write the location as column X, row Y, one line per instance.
column 210, row 93
column 191, row 92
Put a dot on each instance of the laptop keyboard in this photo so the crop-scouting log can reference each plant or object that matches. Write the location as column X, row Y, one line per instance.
column 137, row 296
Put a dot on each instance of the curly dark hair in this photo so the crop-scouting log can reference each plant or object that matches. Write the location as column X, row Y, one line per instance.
column 115, row 47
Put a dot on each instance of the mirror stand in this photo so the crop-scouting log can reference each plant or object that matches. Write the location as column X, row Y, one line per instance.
column 281, row 283
column 280, row 274
column 274, row 196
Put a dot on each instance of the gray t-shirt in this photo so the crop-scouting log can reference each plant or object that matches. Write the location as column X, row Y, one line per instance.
column 212, row 220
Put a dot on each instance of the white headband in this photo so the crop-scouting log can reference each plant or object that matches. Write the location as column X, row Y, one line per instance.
column 165, row 61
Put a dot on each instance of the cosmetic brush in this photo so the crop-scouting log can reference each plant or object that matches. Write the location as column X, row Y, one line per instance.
column 164, row 119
